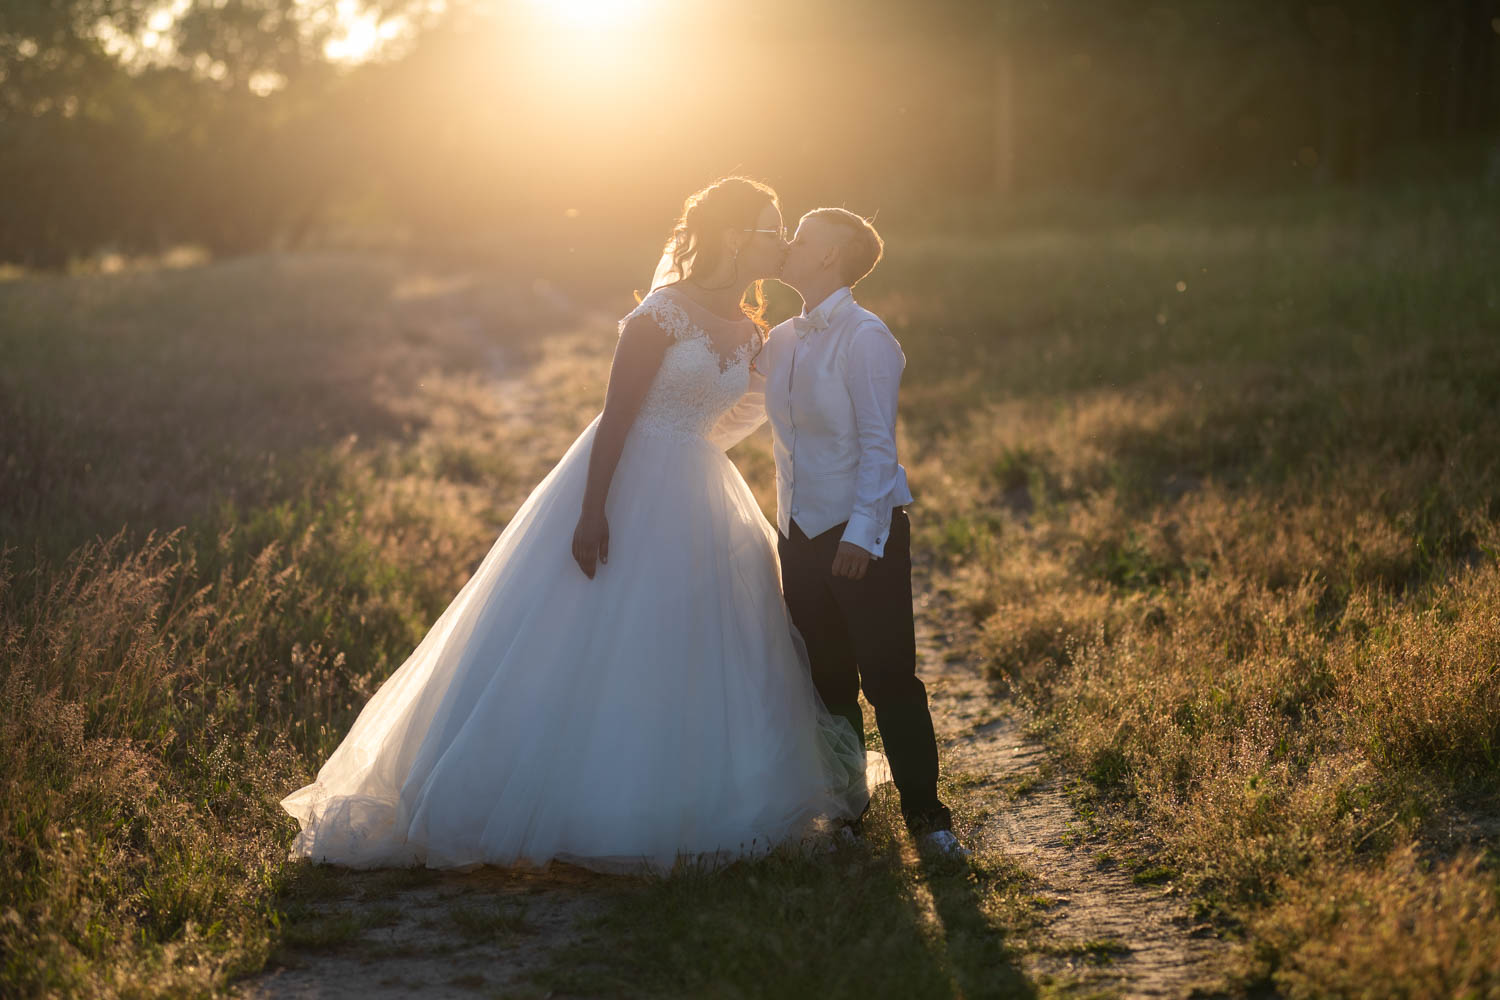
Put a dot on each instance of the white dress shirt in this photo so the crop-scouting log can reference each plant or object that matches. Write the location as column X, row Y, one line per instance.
column 830, row 381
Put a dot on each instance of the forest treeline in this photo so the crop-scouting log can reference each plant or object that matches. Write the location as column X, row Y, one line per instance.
column 228, row 124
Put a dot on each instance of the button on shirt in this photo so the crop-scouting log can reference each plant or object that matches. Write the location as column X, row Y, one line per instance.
column 832, row 376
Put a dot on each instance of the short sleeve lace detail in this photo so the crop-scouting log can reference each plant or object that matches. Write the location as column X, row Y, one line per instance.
column 694, row 385
column 668, row 315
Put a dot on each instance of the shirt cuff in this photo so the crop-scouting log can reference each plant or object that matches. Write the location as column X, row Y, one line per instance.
column 868, row 533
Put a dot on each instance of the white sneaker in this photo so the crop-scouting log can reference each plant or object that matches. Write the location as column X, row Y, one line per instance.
column 840, row 838
column 943, row 842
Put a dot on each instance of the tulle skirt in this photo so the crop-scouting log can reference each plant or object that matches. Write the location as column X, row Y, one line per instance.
column 660, row 712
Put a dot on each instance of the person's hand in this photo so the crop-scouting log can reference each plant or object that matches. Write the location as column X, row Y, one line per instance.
column 591, row 542
column 850, row 561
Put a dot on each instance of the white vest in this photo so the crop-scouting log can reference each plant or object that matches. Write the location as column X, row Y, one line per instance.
column 832, row 377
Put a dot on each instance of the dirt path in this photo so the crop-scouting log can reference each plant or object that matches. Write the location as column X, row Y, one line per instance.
column 399, row 933
column 375, row 935
column 431, row 934
column 1104, row 932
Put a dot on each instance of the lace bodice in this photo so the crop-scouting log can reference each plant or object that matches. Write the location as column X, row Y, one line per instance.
column 696, row 384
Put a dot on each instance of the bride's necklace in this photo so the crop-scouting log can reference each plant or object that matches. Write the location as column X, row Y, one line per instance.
column 704, row 305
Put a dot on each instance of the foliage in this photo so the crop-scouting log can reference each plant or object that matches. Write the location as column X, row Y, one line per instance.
column 237, row 132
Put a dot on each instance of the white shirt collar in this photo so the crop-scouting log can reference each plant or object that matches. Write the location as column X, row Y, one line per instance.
column 820, row 315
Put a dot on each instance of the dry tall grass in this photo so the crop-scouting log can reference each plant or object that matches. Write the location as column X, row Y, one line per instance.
column 334, row 432
column 1216, row 487
column 1224, row 509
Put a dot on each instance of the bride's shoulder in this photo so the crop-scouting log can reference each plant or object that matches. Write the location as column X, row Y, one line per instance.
column 661, row 307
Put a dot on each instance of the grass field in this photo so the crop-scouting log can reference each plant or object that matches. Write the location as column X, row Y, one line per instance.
column 1217, row 486
column 1224, row 501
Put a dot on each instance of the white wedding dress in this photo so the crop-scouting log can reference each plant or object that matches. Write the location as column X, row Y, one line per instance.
column 660, row 711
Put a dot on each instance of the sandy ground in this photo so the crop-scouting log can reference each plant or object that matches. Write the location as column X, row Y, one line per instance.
column 472, row 934
column 481, row 933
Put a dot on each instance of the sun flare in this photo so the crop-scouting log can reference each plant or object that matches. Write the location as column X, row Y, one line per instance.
column 591, row 13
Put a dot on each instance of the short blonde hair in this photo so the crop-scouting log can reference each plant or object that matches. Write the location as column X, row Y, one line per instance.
column 863, row 247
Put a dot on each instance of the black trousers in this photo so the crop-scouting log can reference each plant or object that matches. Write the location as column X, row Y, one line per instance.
column 860, row 633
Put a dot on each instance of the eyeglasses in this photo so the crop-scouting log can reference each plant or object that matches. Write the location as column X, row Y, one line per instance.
column 780, row 234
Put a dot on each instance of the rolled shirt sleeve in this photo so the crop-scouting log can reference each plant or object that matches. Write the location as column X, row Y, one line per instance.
column 873, row 376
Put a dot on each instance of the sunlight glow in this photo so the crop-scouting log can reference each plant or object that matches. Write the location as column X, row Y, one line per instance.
column 361, row 32
column 153, row 44
column 591, row 13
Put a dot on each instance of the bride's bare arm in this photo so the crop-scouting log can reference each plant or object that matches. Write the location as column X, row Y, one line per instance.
column 637, row 357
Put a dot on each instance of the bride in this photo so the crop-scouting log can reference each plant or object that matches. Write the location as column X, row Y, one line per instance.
column 640, row 697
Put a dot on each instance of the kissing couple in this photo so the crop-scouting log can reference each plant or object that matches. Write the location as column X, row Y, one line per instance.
column 643, row 671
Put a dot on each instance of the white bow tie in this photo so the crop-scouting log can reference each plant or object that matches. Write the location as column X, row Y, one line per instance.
column 803, row 325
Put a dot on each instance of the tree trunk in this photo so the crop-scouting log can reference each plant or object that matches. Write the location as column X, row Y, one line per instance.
column 1005, row 124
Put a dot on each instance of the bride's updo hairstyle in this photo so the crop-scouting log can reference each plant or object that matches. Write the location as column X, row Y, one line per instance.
column 694, row 245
